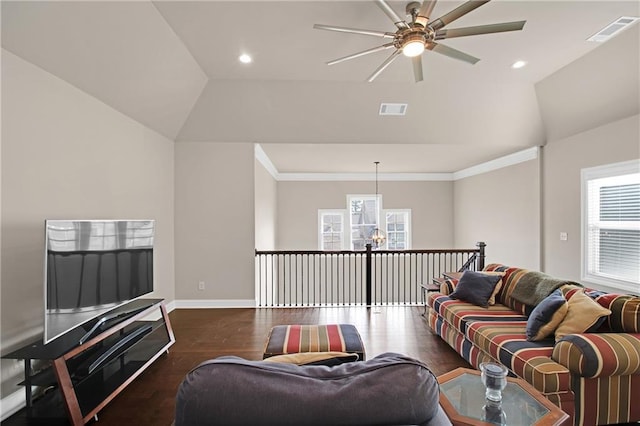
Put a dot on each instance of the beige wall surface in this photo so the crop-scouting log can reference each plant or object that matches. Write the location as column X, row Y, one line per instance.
column 562, row 163
column 266, row 208
column 431, row 207
column 66, row 155
column 599, row 88
column 215, row 237
column 501, row 208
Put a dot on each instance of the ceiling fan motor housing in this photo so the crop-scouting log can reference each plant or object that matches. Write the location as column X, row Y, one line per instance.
column 415, row 33
column 412, row 10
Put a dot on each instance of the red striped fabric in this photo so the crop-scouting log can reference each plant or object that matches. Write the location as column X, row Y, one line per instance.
column 289, row 339
column 335, row 338
column 293, row 339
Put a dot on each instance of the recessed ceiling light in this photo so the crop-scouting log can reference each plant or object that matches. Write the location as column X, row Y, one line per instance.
column 244, row 58
column 518, row 64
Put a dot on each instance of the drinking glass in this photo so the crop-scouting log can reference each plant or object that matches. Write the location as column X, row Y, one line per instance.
column 494, row 378
column 493, row 413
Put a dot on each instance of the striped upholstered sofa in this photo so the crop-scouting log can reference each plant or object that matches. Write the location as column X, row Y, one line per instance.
column 594, row 377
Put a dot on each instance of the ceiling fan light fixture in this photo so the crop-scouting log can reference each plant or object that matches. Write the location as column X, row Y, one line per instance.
column 413, row 48
column 419, row 32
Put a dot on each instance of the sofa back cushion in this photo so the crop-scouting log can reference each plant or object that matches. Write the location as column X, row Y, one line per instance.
column 625, row 312
column 509, row 281
column 388, row 389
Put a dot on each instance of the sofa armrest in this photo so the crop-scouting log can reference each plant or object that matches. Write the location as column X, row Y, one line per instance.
column 448, row 285
column 599, row 354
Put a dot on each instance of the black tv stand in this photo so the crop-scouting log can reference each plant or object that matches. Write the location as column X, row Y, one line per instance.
column 84, row 377
column 109, row 319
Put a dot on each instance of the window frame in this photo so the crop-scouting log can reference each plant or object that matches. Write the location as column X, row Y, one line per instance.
column 350, row 197
column 325, row 212
column 586, row 176
column 407, row 224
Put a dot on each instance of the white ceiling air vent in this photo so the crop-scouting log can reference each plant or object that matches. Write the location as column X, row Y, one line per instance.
column 393, row 109
column 612, row 29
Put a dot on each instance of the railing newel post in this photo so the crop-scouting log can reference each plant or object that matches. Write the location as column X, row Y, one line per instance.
column 481, row 246
column 368, row 272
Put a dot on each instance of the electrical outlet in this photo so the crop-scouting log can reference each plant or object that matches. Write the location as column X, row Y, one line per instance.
column 200, row 285
column 564, row 236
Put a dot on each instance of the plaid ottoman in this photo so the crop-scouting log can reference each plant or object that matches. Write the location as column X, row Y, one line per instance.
column 290, row 339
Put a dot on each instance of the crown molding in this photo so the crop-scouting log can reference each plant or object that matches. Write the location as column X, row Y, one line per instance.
column 364, row 176
column 264, row 159
column 499, row 163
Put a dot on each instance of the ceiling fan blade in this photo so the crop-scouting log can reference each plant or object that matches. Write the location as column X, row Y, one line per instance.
column 457, row 13
column 425, row 12
column 417, row 68
column 354, row 31
column 397, row 20
column 481, row 29
column 364, row 52
column 384, row 65
column 451, row 52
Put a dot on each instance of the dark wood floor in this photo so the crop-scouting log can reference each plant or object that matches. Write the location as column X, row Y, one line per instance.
column 202, row 334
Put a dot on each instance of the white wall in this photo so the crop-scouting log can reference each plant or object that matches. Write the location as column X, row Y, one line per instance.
column 67, row 155
column 214, row 210
column 501, row 208
column 563, row 160
column 431, row 207
column 266, row 208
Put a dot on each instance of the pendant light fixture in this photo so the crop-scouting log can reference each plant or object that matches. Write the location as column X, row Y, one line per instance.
column 377, row 236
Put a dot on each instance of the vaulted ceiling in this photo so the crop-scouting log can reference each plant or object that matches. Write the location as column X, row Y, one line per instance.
column 173, row 66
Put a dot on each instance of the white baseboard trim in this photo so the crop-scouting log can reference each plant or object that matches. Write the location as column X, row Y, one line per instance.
column 170, row 306
column 214, row 303
column 11, row 404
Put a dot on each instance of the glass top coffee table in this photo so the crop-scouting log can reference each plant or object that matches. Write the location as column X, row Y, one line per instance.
column 462, row 398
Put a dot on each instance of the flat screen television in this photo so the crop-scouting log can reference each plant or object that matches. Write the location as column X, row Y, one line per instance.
column 92, row 267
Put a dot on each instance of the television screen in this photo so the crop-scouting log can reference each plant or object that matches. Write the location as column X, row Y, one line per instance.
column 93, row 266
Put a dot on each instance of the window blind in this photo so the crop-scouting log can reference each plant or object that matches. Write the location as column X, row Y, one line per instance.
column 613, row 229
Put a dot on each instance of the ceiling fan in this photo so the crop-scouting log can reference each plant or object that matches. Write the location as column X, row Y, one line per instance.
column 420, row 34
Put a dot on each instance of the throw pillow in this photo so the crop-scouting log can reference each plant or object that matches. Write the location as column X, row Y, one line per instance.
column 314, row 358
column 475, row 287
column 496, row 289
column 546, row 317
column 582, row 313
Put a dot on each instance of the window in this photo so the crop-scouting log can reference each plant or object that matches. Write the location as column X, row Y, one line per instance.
column 331, row 235
column 364, row 218
column 335, row 233
column 397, row 228
column 611, row 225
